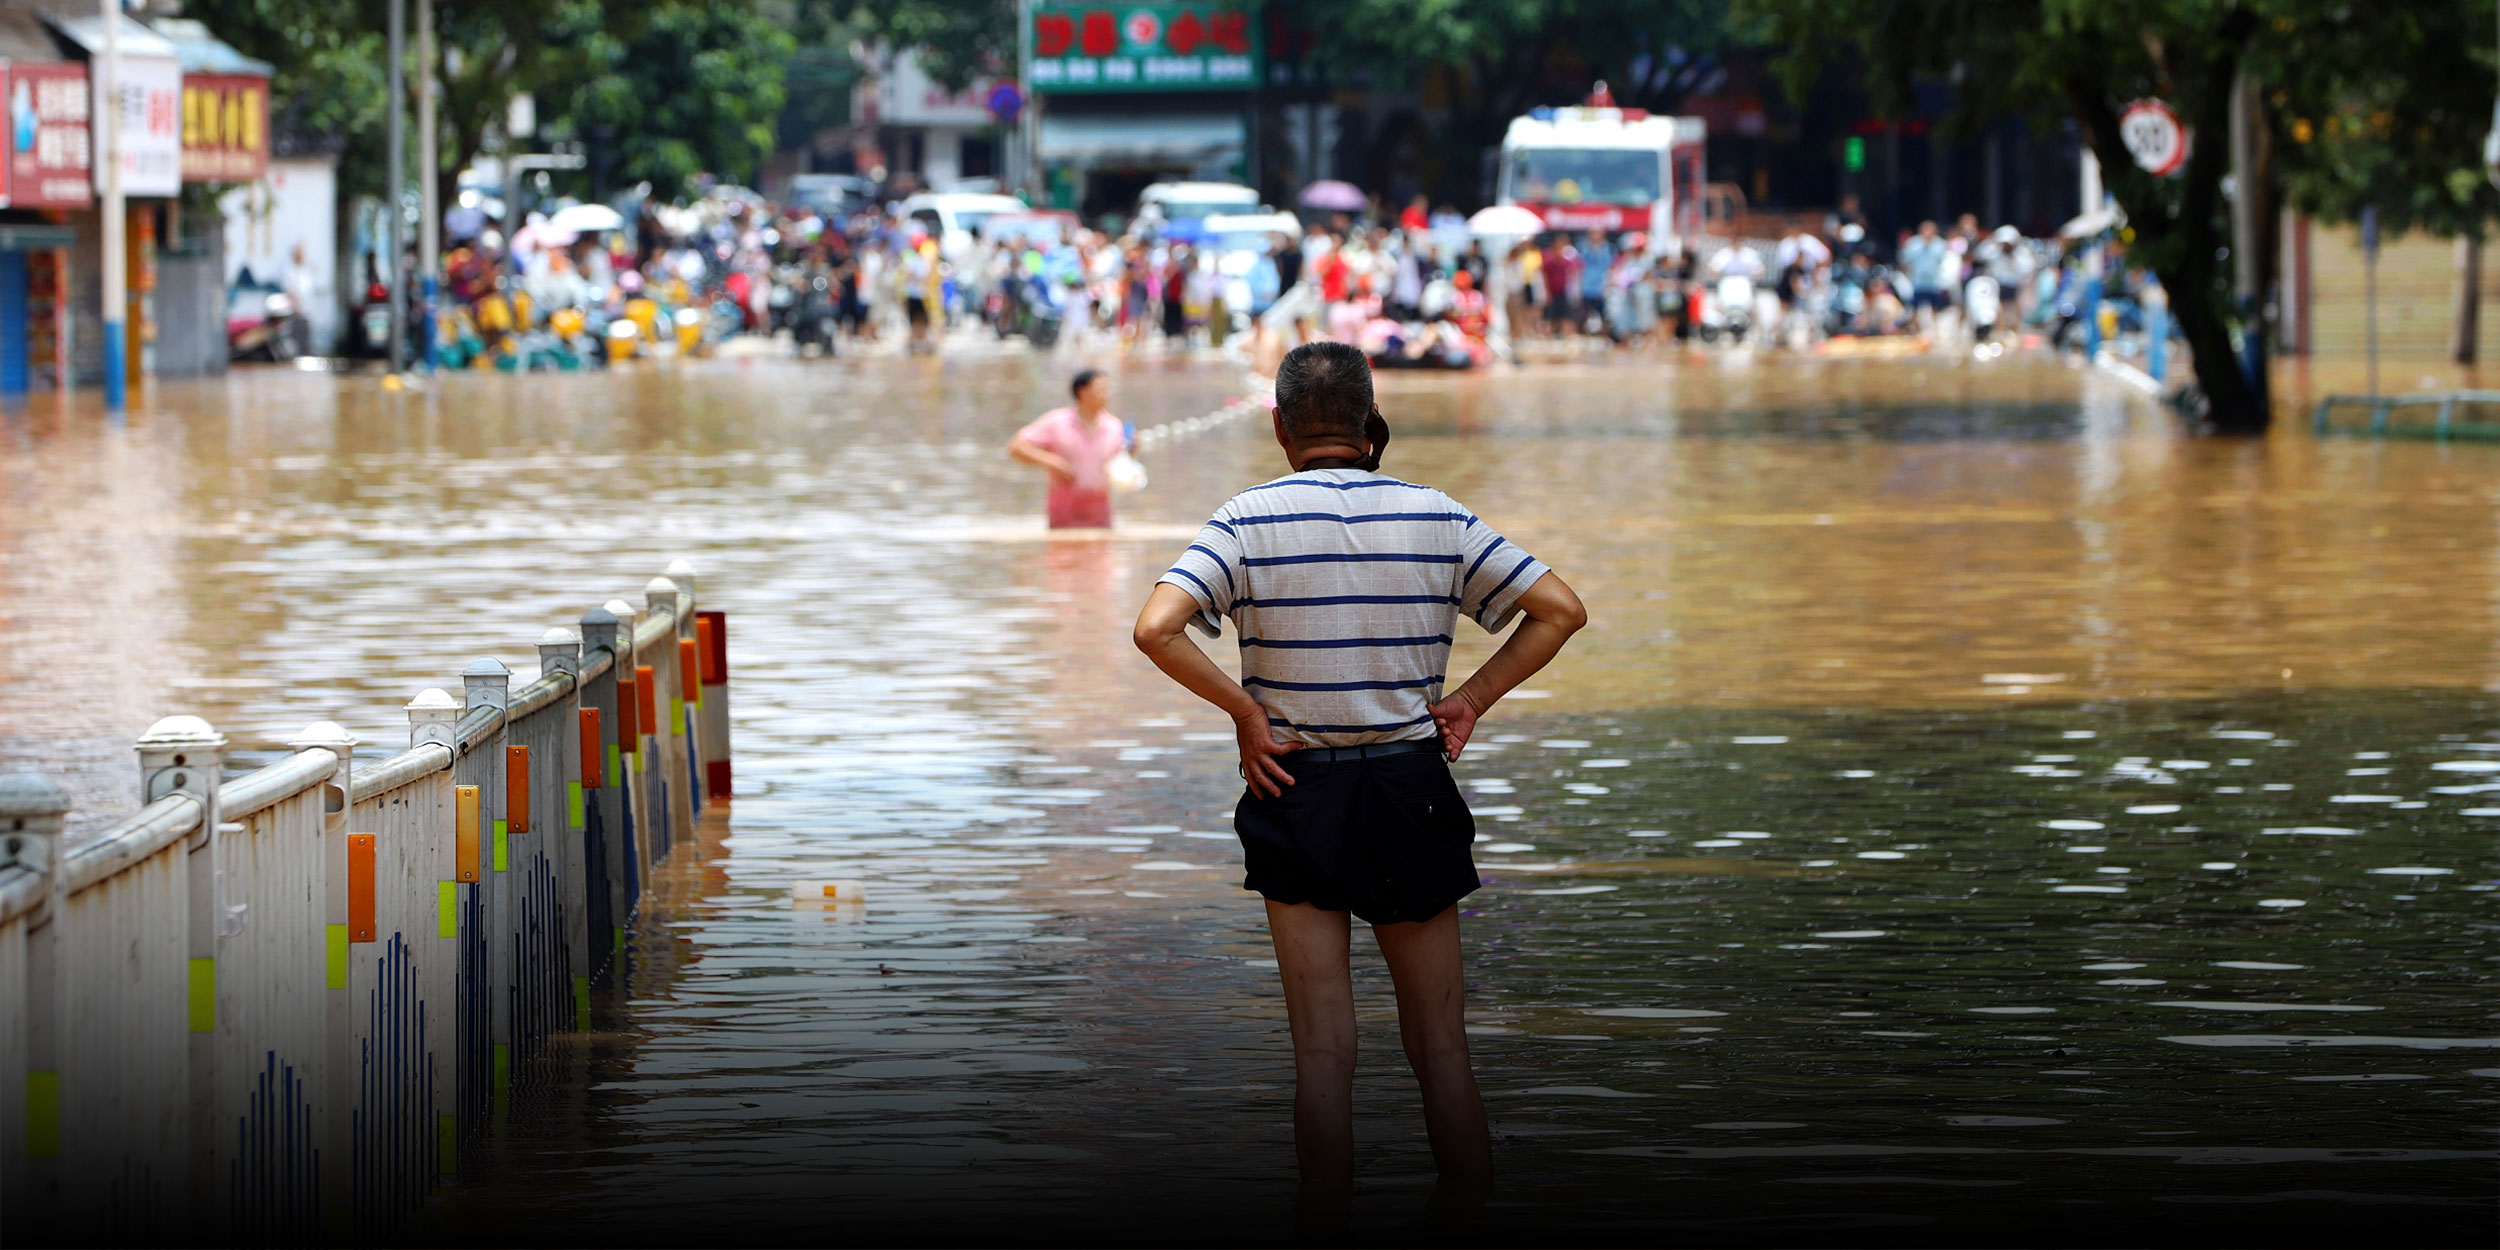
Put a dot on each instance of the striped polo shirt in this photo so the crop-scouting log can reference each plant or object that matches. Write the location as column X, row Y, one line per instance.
column 1344, row 587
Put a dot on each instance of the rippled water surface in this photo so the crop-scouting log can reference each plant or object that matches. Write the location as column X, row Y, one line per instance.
column 1975, row 814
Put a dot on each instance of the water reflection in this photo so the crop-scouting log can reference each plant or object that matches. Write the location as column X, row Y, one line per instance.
column 1972, row 801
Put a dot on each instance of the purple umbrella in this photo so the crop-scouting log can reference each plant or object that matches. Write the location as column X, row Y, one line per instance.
column 1334, row 196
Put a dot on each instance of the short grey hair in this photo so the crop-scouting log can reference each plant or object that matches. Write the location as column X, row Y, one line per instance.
column 1324, row 390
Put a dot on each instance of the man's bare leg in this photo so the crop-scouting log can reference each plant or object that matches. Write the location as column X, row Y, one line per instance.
column 1423, row 959
column 1311, row 954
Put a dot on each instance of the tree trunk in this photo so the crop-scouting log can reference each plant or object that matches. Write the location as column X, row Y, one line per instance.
column 2233, row 406
column 2464, row 326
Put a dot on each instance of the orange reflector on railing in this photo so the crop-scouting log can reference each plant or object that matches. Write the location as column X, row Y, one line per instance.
column 711, row 629
column 592, row 757
column 464, row 852
column 647, row 691
column 360, row 887
column 627, row 735
column 516, row 788
column 690, row 670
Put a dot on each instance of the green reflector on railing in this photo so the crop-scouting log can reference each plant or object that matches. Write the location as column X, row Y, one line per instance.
column 204, row 995
column 337, row 935
column 503, row 854
column 447, row 1144
column 43, row 1115
column 573, row 804
column 447, row 909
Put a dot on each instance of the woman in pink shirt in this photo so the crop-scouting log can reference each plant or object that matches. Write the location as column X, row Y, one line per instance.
column 1076, row 446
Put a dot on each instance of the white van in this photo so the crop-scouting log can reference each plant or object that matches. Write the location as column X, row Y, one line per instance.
column 1189, row 201
column 954, row 218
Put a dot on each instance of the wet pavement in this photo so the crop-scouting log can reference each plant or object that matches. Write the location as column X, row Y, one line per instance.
column 1975, row 813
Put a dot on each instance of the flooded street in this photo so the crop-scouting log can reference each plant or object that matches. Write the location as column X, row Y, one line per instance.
column 1973, row 809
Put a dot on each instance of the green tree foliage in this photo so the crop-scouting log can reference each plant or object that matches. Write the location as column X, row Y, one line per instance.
column 2081, row 60
column 695, row 90
column 328, row 80
column 2384, row 105
column 957, row 40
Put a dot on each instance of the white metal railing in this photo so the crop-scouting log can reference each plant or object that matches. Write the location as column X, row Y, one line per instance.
column 274, row 1007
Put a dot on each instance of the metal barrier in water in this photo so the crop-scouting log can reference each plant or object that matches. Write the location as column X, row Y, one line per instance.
column 274, row 1007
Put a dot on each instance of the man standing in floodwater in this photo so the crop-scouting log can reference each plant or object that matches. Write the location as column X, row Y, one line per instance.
column 1076, row 446
column 1345, row 585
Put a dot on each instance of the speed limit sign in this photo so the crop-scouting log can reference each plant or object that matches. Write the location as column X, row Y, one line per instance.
column 2154, row 137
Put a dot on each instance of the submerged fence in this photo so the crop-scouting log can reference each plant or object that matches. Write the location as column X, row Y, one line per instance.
column 274, row 1007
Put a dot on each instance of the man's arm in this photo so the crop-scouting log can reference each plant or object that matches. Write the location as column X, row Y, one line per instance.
column 1033, row 453
column 1163, row 634
column 1553, row 615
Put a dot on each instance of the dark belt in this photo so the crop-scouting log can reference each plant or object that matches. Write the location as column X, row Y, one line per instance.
column 1367, row 751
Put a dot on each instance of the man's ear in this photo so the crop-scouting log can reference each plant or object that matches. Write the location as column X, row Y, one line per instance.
column 1276, row 417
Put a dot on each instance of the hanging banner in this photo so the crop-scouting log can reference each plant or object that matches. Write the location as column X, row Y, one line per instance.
column 225, row 127
column 49, row 163
column 151, row 106
column 1081, row 48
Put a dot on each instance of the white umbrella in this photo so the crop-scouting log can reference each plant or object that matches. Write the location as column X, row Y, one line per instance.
column 1506, row 221
column 587, row 219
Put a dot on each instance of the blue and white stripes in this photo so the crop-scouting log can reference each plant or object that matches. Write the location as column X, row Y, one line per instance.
column 1344, row 587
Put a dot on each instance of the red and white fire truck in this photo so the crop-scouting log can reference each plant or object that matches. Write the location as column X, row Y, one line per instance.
column 1615, row 170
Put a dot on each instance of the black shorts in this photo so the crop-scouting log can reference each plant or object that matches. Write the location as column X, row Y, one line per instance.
column 1389, row 839
column 916, row 310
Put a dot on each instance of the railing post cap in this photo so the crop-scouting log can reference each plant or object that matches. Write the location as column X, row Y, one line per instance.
column 181, row 733
column 485, row 668
column 31, row 794
column 659, row 588
column 433, row 699
column 328, row 734
column 623, row 611
column 559, row 637
column 679, row 566
column 599, row 616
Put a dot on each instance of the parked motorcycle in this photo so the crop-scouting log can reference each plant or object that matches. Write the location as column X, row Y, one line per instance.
column 1729, row 310
column 1982, row 306
column 262, row 323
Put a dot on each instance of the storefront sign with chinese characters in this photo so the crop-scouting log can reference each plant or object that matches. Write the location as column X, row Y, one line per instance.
column 225, row 127
column 50, row 145
column 1082, row 48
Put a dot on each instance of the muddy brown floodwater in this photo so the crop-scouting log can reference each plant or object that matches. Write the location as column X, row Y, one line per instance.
column 1976, row 813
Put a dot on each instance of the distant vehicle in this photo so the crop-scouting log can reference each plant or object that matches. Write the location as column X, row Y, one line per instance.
column 262, row 323
column 832, row 195
column 954, row 218
column 1046, row 226
column 1191, row 201
column 1609, row 169
column 1237, row 245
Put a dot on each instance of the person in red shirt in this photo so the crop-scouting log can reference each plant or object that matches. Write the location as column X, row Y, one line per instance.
column 1418, row 215
column 1076, row 445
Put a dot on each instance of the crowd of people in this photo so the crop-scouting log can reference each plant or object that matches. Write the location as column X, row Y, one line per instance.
column 1414, row 290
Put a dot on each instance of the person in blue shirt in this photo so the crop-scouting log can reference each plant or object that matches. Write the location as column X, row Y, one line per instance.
column 1596, row 261
column 1922, row 262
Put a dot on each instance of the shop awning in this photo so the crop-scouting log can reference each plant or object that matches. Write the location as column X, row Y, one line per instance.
column 1197, row 138
column 204, row 53
column 30, row 237
column 87, row 31
column 23, row 38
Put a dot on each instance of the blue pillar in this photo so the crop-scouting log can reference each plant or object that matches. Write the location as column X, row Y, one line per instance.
column 14, row 374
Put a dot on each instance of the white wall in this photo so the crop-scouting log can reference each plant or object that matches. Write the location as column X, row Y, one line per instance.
column 294, row 205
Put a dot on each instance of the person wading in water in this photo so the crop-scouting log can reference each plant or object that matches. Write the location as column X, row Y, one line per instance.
column 1344, row 586
column 1076, row 445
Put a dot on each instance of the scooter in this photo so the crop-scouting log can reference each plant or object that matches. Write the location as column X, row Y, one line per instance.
column 262, row 324
column 1729, row 310
column 1982, row 307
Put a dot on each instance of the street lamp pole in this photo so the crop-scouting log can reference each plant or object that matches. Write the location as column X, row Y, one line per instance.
column 429, row 179
column 1025, row 166
column 395, row 187
column 116, row 217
